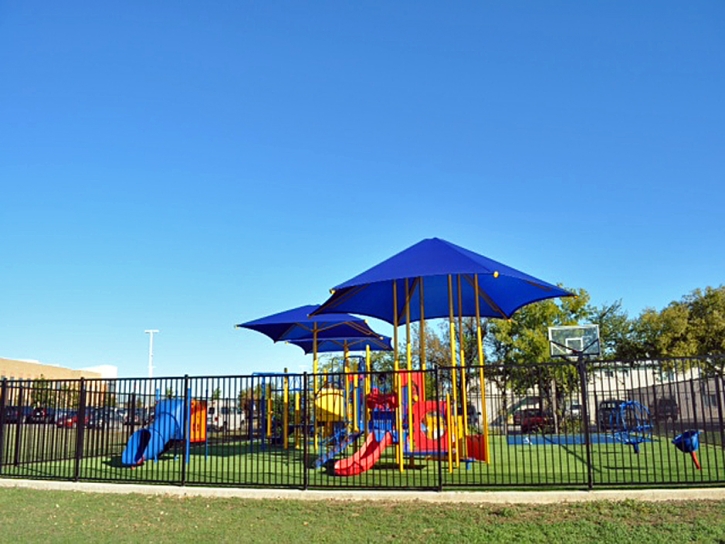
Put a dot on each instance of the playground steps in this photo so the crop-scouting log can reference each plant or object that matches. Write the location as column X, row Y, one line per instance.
column 341, row 441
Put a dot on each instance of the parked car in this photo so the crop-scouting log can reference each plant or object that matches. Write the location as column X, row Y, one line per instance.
column 102, row 418
column 17, row 414
column 41, row 415
column 70, row 420
column 519, row 414
column 535, row 419
column 573, row 410
column 666, row 408
column 140, row 417
column 607, row 414
column 224, row 416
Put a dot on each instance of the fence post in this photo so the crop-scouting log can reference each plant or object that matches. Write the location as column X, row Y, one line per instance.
column 305, row 439
column 585, row 419
column 187, row 429
column 718, row 391
column 80, row 429
column 19, row 424
column 3, row 402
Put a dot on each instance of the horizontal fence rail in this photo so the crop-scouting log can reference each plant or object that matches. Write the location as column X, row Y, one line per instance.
column 569, row 424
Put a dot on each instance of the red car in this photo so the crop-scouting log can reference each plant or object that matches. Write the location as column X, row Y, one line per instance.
column 69, row 421
column 533, row 420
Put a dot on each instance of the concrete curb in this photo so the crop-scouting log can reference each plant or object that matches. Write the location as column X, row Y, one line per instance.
column 478, row 497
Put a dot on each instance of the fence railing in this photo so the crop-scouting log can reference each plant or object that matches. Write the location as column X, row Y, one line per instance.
column 570, row 424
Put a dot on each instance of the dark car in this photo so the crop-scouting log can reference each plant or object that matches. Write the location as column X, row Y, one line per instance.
column 41, row 415
column 534, row 419
column 102, row 418
column 17, row 414
column 607, row 413
column 666, row 408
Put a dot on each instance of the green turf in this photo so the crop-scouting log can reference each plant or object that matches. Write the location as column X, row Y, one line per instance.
column 240, row 463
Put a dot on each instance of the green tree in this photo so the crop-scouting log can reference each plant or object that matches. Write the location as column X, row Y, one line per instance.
column 523, row 340
column 41, row 393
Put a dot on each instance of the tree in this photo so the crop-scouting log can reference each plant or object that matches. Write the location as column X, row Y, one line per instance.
column 692, row 326
column 523, row 340
column 41, row 393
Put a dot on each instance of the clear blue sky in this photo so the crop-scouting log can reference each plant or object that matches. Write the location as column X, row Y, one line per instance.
column 188, row 166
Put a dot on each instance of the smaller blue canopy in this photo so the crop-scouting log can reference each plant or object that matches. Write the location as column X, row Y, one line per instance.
column 297, row 324
column 328, row 345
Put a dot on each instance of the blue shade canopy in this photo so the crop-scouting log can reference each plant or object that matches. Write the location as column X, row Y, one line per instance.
column 327, row 345
column 427, row 266
column 297, row 324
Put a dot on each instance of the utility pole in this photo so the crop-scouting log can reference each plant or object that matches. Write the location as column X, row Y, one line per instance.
column 151, row 333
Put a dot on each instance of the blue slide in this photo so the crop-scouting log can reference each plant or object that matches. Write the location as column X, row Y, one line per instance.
column 147, row 444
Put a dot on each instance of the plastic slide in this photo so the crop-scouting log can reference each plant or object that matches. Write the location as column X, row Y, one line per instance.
column 364, row 458
column 149, row 443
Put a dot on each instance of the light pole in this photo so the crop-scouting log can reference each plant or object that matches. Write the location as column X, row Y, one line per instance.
column 151, row 333
column 150, row 389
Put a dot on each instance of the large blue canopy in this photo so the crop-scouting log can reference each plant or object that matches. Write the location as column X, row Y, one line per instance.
column 297, row 324
column 327, row 345
column 427, row 266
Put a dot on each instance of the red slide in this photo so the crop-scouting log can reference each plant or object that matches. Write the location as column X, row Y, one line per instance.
column 364, row 458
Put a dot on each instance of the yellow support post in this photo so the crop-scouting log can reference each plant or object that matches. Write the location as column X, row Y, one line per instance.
column 464, row 387
column 396, row 382
column 298, row 433
column 449, row 434
column 315, row 368
column 454, row 375
column 269, row 410
column 482, row 383
column 368, row 388
column 422, row 354
column 285, row 412
column 409, row 360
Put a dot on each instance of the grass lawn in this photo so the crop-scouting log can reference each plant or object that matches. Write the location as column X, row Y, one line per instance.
column 242, row 463
column 66, row 516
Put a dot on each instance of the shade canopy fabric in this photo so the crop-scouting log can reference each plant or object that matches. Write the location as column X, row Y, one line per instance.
column 297, row 324
column 426, row 267
column 330, row 345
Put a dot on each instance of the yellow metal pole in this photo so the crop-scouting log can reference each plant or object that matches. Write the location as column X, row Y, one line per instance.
column 464, row 388
column 396, row 382
column 315, row 368
column 269, row 410
column 409, row 357
column 422, row 354
column 449, row 434
column 368, row 386
column 454, row 376
column 285, row 412
column 298, row 433
column 482, row 383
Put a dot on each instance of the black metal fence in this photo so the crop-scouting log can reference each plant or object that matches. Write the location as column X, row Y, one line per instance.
column 570, row 424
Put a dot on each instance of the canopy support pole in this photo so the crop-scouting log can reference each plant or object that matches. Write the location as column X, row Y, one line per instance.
column 315, row 368
column 464, row 387
column 396, row 382
column 409, row 361
column 454, row 374
column 481, row 382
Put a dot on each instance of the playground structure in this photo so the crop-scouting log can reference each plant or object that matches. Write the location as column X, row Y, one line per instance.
column 353, row 416
column 174, row 420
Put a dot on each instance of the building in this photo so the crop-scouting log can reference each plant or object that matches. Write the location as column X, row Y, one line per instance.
column 14, row 369
column 31, row 381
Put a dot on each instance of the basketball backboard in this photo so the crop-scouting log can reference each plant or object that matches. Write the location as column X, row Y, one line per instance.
column 574, row 340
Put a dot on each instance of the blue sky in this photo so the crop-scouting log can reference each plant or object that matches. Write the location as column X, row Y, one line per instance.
column 188, row 166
